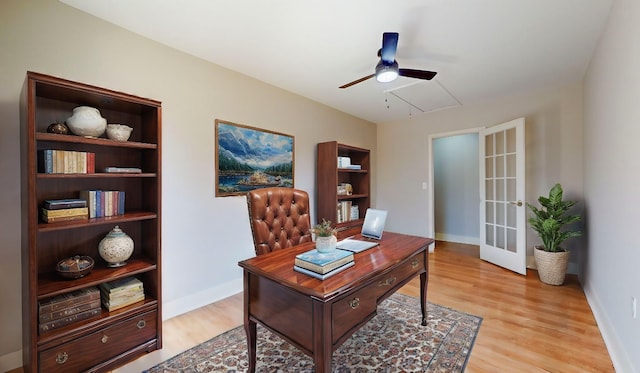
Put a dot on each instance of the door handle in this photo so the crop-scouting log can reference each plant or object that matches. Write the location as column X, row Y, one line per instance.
column 517, row 203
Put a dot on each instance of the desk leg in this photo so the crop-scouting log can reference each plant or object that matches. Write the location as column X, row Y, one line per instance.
column 322, row 351
column 249, row 325
column 423, row 297
column 250, row 329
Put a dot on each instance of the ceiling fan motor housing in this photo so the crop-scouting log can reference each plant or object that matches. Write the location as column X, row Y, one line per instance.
column 386, row 73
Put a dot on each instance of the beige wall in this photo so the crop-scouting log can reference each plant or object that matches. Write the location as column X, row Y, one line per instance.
column 553, row 130
column 203, row 237
column 611, row 133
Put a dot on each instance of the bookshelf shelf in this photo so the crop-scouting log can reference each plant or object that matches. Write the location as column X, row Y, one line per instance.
column 329, row 175
column 94, row 176
column 50, row 284
column 352, row 196
column 45, row 100
column 52, row 137
column 117, row 219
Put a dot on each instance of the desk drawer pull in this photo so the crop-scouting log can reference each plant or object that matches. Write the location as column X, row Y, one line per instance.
column 62, row 358
column 414, row 263
column 141, row 324
column 387, row 282
column 104, row 339
column 354, row 303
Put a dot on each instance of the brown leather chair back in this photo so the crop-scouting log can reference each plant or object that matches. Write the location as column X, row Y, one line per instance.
column 279, row 218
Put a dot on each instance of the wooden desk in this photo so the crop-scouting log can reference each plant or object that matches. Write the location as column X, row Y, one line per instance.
column 318, row 316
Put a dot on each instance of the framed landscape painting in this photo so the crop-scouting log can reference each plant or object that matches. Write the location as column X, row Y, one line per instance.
column 248, row 158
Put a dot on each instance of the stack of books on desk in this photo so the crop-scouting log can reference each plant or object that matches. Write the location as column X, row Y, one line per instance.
column 323, row 265
column 121, row 293
column 68, row 308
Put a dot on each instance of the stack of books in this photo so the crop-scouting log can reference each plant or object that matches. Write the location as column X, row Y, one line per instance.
column 67, row 308
column 344, row 162
column 58, row 210
column 323, row 265
column 121, row 293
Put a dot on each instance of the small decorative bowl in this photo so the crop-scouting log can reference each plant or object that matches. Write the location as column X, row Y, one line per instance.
column 75, row 266
column 118, row 132
column 59, row 128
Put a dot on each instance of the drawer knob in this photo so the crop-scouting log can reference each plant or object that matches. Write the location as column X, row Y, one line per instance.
column 354, row 303
column 104, row 339
column 414, row 263
column 141, row 324
column 387, row 282
column 62, row 358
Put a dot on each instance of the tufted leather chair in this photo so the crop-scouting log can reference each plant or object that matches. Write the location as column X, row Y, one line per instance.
column 279, row 218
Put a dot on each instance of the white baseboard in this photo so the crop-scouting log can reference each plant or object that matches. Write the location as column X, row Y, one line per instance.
column 11, row 361
column 458, row 239
column 619, row 358
column 200, row 299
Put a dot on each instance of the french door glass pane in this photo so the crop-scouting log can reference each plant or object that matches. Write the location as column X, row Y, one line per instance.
column 511, row 240
column 500, row 143
column 489, row 212
column 489, row 239
column 488, row 145
column 511, row 140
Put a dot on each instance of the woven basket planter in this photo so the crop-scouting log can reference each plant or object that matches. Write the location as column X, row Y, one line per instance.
column 552, row 267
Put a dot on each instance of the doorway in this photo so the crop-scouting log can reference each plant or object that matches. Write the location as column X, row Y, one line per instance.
column 499, row 187
column 456, row 188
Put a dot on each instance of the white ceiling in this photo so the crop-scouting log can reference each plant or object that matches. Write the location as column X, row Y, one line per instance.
column 480, row 48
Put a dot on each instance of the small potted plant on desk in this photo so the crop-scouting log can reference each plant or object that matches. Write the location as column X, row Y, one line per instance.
column 325, row 237
column 549, row 222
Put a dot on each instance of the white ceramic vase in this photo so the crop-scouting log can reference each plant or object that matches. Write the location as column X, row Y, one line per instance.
column 116, row 247
column 87, row 121
column 326, row 244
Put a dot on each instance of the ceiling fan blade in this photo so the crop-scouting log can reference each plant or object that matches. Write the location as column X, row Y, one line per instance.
column 418, row 74
column 357, row 81
column 389, row 46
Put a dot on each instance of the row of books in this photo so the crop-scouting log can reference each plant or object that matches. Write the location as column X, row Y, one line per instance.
column 103, row 203
column 67, row 162
column 347, row 211
column 67, row 308
column 323, row 265
column 121, row 293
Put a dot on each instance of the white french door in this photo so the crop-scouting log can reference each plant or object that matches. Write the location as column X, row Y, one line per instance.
column 502, row 192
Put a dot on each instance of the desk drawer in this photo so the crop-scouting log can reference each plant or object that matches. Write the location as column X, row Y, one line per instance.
column 87, row 351
column 405, row 271
column 351, row 311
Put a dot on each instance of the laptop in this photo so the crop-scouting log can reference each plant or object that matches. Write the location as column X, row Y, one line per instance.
column 372, row 228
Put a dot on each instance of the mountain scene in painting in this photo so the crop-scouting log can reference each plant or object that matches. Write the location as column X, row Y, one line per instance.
column 250, row 158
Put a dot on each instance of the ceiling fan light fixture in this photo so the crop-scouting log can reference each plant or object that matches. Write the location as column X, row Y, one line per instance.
column 386, row 73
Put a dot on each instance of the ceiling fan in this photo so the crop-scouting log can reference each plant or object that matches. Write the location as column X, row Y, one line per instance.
column 387, row 69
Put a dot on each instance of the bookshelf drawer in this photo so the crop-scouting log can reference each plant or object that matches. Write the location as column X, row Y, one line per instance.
column 352, row 311
column 90, row 350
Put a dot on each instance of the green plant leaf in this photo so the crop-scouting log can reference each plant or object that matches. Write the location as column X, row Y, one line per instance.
column 550, row 221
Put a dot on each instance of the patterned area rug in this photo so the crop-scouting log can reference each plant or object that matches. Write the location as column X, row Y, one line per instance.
column 393, row 341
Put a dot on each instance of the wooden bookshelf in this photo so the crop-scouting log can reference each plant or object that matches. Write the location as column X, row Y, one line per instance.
column 329, row 176
column 109, row 339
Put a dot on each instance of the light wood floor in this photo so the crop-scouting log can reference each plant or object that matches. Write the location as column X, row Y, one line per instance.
column 527, row 326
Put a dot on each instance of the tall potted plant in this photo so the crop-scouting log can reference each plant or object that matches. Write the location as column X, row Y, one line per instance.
column 550, row 221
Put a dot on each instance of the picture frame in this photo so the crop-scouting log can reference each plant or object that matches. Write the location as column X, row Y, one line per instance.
column 248, row 158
